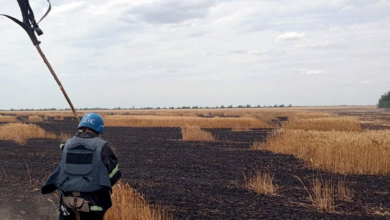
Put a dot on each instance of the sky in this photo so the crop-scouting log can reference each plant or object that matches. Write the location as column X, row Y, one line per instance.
column 156, row 53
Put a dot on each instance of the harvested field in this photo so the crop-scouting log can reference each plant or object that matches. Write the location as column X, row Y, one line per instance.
column 195, row 180
column 175, row 121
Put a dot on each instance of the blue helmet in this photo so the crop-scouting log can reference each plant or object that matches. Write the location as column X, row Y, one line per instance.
column 92, row 121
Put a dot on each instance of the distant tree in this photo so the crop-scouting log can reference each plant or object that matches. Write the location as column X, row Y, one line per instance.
column 275, row 106
column 222, row 106
column 281, row 106
column 248, row 106
column 230, row 106
column 384, row 101
column 290, row 106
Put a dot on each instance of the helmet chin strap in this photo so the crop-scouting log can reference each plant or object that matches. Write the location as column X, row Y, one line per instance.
column 31, row 27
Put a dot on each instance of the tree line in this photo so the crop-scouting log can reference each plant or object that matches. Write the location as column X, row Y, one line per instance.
column 384, row 101
column 147, row 108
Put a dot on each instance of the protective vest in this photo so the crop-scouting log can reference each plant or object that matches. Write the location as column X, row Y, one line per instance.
column 81, row 168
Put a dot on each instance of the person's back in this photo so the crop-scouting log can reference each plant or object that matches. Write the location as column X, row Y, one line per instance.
column 86, row 174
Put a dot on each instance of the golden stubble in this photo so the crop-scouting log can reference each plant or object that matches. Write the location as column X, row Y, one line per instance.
column 260, row 182
column 194, row 133
column 20, row 133
column 130, row 205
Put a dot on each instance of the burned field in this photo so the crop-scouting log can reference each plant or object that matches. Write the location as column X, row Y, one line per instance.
column 191, row 180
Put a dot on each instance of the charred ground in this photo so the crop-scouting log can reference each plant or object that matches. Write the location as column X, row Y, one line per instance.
column 193, row 180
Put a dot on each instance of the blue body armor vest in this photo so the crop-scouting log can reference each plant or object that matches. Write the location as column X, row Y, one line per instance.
column 81, row 168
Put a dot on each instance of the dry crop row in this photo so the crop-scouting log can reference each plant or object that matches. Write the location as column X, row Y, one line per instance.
column 20, row 133
column 5, row 118
column 334, row 144
column 173, row 121
column 324, row 124
column 35, row 118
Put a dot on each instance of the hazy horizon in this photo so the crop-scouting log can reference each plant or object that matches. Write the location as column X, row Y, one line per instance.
column 184, row 107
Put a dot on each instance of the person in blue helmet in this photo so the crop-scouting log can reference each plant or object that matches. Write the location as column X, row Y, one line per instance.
column 86, row 173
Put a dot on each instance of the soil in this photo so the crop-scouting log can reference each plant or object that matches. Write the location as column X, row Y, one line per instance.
column 192, row 180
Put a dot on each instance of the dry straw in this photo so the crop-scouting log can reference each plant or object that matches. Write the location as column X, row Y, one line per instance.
column 323, row 195
column 35, row 118
column 262, row 183
column 175, row 121
column 240, row 129
column 344, row 149
column 64, row 136
column 20, row 133
column 194, row 133
column 344, row 192
column 129, row 205
column 325, row 124
column 8, row 118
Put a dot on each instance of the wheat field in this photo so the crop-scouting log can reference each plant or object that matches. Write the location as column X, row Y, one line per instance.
column 338, row 145
column 20, row 133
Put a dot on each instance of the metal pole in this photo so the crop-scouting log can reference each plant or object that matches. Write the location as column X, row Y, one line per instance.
column 57, row 80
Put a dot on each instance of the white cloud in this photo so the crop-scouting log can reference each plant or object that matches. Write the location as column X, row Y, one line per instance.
column 234, row 46
column 171, row 11
column 314, row 72
column 310, row 71
column 66, row 8
column 325, row 45
column 369, row 82
column 250, row 52
column 290, row 36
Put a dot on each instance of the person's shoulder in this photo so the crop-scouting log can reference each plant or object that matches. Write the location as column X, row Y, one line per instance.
column 107, row 149
column 101, row 141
